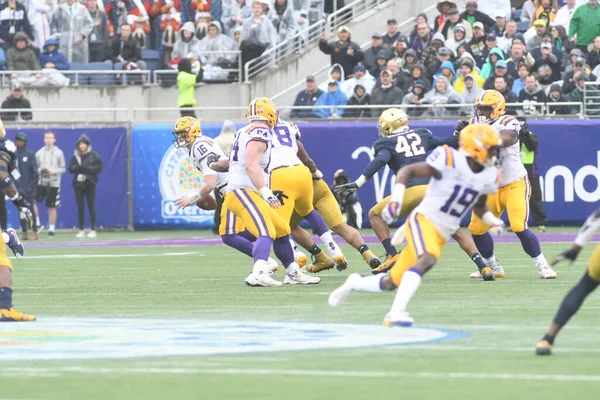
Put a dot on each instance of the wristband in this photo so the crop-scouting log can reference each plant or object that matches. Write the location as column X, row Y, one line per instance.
column 194, row 197
column 491, row 219
column 398, row 192
column 360, row 181
column 15, row 197
column 265, row 192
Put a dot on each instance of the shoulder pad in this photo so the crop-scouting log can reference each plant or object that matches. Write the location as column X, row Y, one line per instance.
column 509, row 122
column 423, row 132
column 259, row 132
column 384, row 142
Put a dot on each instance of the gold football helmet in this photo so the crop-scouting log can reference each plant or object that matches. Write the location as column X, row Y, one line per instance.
column 489, row 106
column 186, row 130
column 263, row 109
column 481, row 142
column 392, row 120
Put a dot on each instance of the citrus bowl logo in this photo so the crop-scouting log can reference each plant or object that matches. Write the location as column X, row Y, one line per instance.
column 177, row 176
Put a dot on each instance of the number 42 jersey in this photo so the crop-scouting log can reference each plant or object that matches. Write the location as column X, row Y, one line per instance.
column 449, row 198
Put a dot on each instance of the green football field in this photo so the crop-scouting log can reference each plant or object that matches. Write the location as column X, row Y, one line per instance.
column 177, row 322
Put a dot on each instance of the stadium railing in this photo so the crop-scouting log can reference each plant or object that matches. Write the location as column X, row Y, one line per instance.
column 111, row 116
column 212, row 73
column 321, row 74
column 107, row 77
column 591, row 99
column 296, row 43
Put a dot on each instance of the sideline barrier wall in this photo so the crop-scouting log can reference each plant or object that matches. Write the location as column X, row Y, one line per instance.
column 111, row 195
column 569, row 160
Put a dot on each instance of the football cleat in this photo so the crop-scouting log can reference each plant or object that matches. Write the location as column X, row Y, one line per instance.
column 389, row 262
column 80, row 235
column 299, row 278
column 15, row 244
column 261, row 279
column 340, row 263
column 272, row 266
column 339, row 295
column 543, row 348
column 12, row 315
column 401, row 318
column 92, row 234
column 542, row 228
column 496, row 269
column 546, row 272
column 322, row 263
column 371, row 259
column 301, row 259
column 487, row 274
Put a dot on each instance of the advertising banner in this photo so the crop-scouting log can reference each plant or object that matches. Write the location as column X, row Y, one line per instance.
column 569, row 161
column 111, row 195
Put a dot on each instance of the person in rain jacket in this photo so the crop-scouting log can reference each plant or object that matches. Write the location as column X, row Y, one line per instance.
column 215, row 41
column 332, row 97
column 52, row 57
column 488, row 68
column 466, row 68
column 441, row 95
column 282, row 16
column 446, row 70
column 336, row 72
column 72, row 25
column 360, row 97
column 343, row 51
column 187, row 43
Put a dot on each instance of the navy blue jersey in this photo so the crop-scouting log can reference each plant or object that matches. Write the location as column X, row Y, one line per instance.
column 404, row 148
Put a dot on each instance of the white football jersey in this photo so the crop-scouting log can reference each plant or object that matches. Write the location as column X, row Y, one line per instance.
column 238, row 177
column 199, row 151
column 512, row 168
column 285, row 146
column 451, row 197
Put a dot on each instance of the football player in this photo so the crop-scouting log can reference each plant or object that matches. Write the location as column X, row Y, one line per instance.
column 292, row 180
column 8, row 188
column 325, row 203
column 463, row 178
column 586, row 285
column 188, row 135
column 514, row 192
column 397, row 147
column 250, row 199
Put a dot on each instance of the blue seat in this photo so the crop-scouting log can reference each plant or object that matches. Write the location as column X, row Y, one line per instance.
column 101, row 79
column 80, row 79
column 522, row 26
column 517, row 15
column 152, row 58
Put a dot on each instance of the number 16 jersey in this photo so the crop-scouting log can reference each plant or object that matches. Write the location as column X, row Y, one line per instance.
column 449, row 198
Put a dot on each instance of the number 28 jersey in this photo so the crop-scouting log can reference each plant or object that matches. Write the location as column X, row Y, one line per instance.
column 407, row 147
column 238, row 177
column 284, row 152
column 449, row 198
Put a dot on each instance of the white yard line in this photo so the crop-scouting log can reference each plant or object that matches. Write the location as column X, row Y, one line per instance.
column 76, row 256
column 311, row 373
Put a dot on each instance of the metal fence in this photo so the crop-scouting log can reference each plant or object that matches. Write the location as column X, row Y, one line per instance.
column 218, row 66
column 591, row 99
column 296, row 43
column 76, row 77
column 321, row 74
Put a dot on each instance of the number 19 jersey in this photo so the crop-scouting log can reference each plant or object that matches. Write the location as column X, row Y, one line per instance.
column 238, row 177
column 449, row 198
column 284, row 152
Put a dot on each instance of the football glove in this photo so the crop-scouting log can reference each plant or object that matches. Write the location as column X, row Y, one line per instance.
column 211, row 159
column 570, row 255
column 346, row 188
column 391, row 212
column 24, row 208
column 460, row 125
column 280, row 196
column 269, row 197
column 317, row 175
column 497, row 230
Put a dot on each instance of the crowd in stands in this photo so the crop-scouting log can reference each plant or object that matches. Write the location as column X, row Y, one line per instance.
column 536, row 53
column 51, row 36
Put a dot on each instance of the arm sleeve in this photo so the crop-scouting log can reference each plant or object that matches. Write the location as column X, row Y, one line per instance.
column 73, row 165
column 324, row 46
column 61, row 164
column 436, row 142
column 34, row 171
column 382, row 157
column 96, row 167
column 27, row 115
column 591, row 226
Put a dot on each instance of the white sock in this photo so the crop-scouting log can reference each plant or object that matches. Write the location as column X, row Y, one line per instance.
column 490, row 261
column 292, row 269
column 51, row 227
column 260, row 267
column 369, row 283
column 330, row 245
column 540, row 260
column 37, row 221
column 409, row 285
column 5, row 237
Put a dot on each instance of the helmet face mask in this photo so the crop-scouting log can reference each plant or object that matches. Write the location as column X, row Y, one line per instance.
column 263, row 109
column 483, row 113
column 481, row 143
column 186, row 130
column 489, row 106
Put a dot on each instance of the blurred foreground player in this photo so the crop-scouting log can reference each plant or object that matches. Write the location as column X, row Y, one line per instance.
column 463, row 179
column 8, row 188
column 586, row 285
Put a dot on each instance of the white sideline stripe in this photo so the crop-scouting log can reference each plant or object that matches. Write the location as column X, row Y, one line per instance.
column 75, row 256
column 315, row 373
